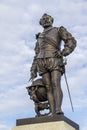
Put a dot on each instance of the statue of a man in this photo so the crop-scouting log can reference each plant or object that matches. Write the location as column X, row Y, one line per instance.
column 48, row 60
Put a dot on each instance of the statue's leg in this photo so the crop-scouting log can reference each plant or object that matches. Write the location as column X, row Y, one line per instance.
column 47, row 81
column 58, row 95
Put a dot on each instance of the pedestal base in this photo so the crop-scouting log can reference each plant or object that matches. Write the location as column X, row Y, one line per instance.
column 57, row 122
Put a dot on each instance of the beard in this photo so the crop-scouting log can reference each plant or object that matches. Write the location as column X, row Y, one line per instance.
column 46, row 24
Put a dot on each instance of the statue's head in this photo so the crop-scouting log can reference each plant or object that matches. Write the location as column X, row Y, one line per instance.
column 46, row 20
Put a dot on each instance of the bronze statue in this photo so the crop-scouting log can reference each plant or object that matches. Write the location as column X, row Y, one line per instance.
column 48, row 60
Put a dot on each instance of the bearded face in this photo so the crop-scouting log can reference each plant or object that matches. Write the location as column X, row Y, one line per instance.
column 46, row 21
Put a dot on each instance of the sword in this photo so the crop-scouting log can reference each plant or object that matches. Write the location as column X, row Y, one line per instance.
column 64, row 60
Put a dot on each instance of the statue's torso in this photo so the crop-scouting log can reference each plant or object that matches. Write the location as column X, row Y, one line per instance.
column 48, row 42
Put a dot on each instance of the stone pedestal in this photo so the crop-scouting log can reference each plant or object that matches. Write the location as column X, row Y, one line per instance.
column 58, row 122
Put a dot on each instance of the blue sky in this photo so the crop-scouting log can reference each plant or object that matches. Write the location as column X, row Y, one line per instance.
column 18, row 26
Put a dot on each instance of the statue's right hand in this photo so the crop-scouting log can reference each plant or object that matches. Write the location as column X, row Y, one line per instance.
column 32, row 76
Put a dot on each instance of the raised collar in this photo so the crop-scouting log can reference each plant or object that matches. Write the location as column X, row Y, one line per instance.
column 45, row 30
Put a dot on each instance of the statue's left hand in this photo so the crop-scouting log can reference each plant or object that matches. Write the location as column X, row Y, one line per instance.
column 58, row 53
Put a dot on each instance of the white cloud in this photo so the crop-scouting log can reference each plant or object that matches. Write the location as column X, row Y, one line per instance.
column 84, row 124
column 4, row 127
column 16, row 99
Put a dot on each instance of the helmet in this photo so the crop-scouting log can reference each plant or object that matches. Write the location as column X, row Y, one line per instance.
column 37, row 82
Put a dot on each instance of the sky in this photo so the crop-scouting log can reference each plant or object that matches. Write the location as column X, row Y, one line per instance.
column 19, row 22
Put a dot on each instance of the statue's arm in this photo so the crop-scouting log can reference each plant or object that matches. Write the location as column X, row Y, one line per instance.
column 33, row 69
column 69, row 40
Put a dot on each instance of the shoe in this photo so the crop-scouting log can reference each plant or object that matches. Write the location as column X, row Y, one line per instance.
column 52, row 114
column 59, row 112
